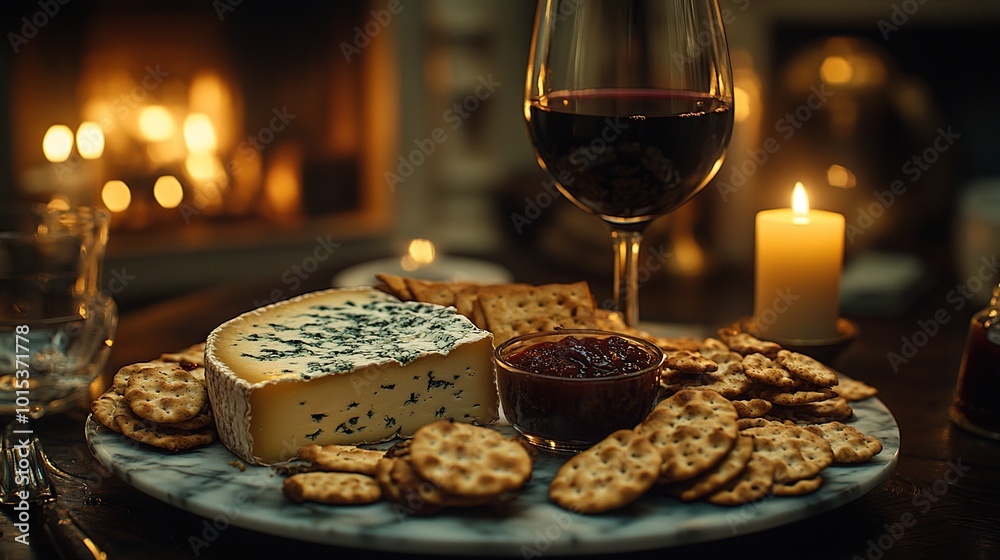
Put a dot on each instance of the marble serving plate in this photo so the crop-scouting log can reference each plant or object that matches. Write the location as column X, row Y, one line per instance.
column 204, row 481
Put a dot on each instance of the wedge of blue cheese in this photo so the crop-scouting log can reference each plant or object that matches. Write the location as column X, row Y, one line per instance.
column 344, row 366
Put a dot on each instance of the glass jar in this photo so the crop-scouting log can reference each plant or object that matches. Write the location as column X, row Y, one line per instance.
column 977, row 398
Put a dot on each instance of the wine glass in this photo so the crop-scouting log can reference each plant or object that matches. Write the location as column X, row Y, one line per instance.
column 629, row 107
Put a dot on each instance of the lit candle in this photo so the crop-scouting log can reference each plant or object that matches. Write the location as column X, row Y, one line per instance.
column 799, row 253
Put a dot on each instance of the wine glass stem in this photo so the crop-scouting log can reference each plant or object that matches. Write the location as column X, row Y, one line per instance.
column 626, row 287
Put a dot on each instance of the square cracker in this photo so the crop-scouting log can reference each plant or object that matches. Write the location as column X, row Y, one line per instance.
column 396, row 286
column 514, row 310
column 441, row 293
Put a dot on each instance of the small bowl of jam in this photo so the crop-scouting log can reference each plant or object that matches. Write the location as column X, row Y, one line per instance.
column 566, row 390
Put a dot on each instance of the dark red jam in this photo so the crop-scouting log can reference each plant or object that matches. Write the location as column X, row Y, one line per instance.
column 583, row 357
column 577, row 390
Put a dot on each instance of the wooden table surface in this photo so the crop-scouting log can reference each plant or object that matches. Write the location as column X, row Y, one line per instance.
column 945, row 486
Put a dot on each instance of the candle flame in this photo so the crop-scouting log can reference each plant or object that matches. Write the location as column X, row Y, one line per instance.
column 800, row 201
column 419, row 253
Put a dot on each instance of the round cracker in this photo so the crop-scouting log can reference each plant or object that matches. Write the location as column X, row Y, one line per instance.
column 166, row 395
column 752, row 484
column 848, row 444
column 797, row 488
column 854, row 390
column 332, row 488
column 806, row 368
column 693, row 430
column 609, row 475
column 341, row 458
column 106, row 407
column 796, row 452
column 713, row 479
column 193, row 355
column 467, row 460
column 762, row 369
column 149, row 433
column 795, row 398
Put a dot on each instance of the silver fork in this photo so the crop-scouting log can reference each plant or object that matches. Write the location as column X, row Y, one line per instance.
column 24, row 479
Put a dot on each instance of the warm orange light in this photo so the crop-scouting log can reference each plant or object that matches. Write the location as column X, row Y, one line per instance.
column 156, row 123
column 419, row 253
column 168, row 191
column 90, row 140
column 800, row 202
column 841, row 177
column 116, row 195
column 199, row 134
column 836, row 70
column 203, row 167
column 57, row 143
column 58, row 203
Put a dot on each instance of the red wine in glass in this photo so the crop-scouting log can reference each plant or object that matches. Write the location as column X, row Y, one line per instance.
column 630, row 155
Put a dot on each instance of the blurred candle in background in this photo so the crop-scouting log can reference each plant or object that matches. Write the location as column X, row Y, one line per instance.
column 798, row 257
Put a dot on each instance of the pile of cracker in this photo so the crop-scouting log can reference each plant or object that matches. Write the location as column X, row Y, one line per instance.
column 693, row 446
column 445, row 464
column 163, row 402
column 741, row 419
column 509, row 310
column 762, row 379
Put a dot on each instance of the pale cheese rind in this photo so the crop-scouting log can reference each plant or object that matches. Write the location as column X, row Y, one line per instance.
column 344, row 366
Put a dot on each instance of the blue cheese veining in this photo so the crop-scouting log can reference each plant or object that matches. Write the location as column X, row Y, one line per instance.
column 344, row 366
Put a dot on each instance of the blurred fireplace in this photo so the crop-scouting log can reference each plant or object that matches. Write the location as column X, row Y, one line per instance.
column 207, row 126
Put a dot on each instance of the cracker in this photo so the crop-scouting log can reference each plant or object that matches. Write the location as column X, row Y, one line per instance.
column 396, row 286
column 828, row 410
column 752, row 408
column 609, row 475
column 420, row 494
column 806, row 368
column 693, row 431
column 170, row 439
column 729, row 380
column 713, row 479
column 797, row 488
column 794, row 398
column 747, row 344
column 165, row 395
column 675, row 343
column 608, row 320
column 744, row 423
column 440, row 293
column 332, row 488
column 124, row 373
column 190, row 358
column 796, row 452
column 341, row 458
column 712, row 345
column 848, row 444
column 106, row 407
column 762, row 369
column 465, row 304
column 515, row 310
column 202, row 420
column 467, row 460
column 854, row 390
column 752, row 484
column 686, row 361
